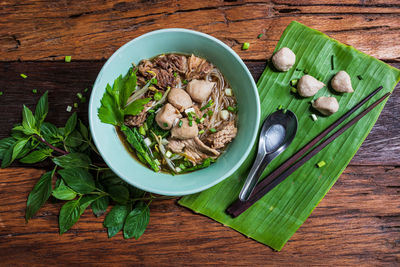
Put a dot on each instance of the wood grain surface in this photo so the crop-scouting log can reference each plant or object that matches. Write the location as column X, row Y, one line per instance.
column 357, row 223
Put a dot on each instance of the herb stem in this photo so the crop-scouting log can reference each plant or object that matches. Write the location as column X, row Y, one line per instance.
column 41, row 139
column 151, row 198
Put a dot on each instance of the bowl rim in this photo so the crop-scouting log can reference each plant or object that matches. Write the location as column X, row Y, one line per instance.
column 92, row 111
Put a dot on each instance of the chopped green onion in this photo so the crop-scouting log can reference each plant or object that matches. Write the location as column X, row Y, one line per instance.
column 359, row 77
column 197, row 120
column 201, row 131
column 280, row 107
column 1, row 93
column 157, row 162
column 213, row 130
column 145, row 126
column 180, row 123
column 209, row 104
column 321, row 164
column 75, row 105
column 210, row 113
column 314, row 117
column 151, row 111
column 68, row 59
column 34, row 91
column 69, row 108
column 260, row 35
column 190, row 116
column 284, row 111
column 165, row 124
column 153, row 81
column 85, row 90
column 175, row 74
column 79, row 95
column 83, row 100
column 245, row 46
column 158, row 96
column 190, row 123
column 168, row 154
column 202, row 120
column 332, row 63
column 184, row 81
column 293, row 82
column 293, row 90
column 182, row 166
column 142, row 131
column 231, row 109
column 204, row 115
column 24, row 75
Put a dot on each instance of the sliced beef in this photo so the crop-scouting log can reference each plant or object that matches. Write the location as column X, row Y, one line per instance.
column 145, row 66
column 195, row 150
column 225, row 135
column 198, row 68
column 147, row 69
column 200, row 90
column 179, row 99
column 164, row 78
column 139, row 119
column 172, row 62
column 185, row 131
column 166, row 116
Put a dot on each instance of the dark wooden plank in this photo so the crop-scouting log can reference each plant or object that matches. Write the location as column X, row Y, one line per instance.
column 64, row 80
column 358, row 223
column 94, row 29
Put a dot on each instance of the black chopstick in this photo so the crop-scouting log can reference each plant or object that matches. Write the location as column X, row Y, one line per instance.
column 283, row 171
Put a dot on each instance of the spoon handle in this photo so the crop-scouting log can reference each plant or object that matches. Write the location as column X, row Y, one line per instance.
column 256, row 170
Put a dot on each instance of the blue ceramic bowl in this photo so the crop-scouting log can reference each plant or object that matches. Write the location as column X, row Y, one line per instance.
column 187, row 42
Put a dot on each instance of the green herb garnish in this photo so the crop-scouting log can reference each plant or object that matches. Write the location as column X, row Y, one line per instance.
column 34, row 91
column 165, row 124
column 175, row 74
column 142, row 131
column 158, row 95
column 245, row 46
column 260, row 35
column 293, row 90
column 213, row 130
column 180, row 123
column 321, row 164
column 24, row 75
column 184, row 81
column 1, row 93
column 75, row 105
column 209, row 104
column 68, row 59
column 201, row 131
column 154, row 81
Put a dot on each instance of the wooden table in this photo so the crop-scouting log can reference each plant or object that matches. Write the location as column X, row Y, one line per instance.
column 357, row 223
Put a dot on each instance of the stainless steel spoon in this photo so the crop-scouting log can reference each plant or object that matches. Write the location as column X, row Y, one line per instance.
column 277, row 132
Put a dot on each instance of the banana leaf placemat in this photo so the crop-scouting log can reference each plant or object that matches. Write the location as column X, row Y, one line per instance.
column 277, row 216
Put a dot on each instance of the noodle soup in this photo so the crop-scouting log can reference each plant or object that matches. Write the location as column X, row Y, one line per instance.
column 189, row 117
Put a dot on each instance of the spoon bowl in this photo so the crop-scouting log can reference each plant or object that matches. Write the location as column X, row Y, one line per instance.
column 277, row 132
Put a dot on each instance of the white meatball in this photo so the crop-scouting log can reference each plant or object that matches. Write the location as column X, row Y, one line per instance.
column 326, row 105
column 342, row 83
column 308, row 86
column 284, row 59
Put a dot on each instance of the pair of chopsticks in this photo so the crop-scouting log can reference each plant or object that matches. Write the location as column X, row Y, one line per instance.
column 300, row 157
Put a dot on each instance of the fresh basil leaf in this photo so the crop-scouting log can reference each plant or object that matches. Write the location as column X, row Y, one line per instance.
column 19, row 132
column 63, row 192
column 99, row 206
column 28, row 120
column 82, row 148
column 83, row 130
column 5, row 144
column 73, row 160
column 118, row 193
column 74, row 139
column 86, row 201
column 18, row 146
column 109, row 178
column 39, row 195
column 69, row 215
column 36, row 156
column 7, row 157
column 42, row 108
column 136, row 192
column 50, row 133
column 78, row 179
column 115, row 219
column 136, row 106
column 109, row 111
column 137, row 221
column 71, row 124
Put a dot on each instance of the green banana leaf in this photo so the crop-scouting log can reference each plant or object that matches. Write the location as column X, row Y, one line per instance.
column 277, row 216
